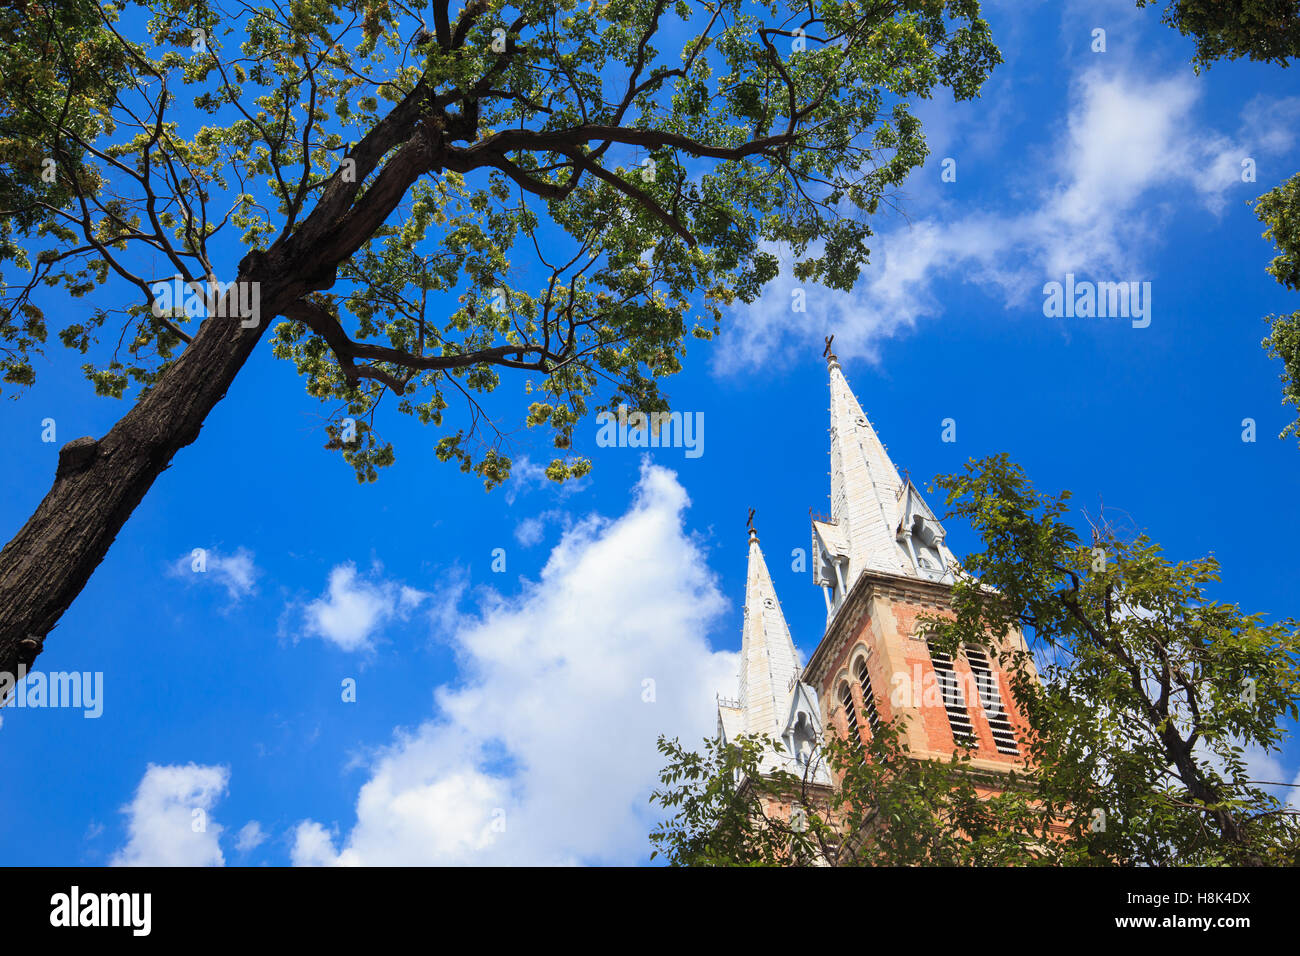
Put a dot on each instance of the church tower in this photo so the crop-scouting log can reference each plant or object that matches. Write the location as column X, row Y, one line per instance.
column 882, row 562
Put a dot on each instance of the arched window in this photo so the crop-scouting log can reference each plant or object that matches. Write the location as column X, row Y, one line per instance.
column 868, row 695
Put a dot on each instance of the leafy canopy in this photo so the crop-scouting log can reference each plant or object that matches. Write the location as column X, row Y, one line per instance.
column 1141, row 691
column 1262, row 30
column 571, row 190
column 1279, row 210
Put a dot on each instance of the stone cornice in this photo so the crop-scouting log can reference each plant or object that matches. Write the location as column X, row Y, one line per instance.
column 845, row 623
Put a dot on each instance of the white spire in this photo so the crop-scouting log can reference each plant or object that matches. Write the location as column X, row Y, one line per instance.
column 769, row 663
column 878, row 520
column 773, row 700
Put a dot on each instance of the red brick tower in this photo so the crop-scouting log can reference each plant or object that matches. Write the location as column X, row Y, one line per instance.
column 882, row 563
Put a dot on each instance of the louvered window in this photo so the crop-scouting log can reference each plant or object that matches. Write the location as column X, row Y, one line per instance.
column 868, row 696
column 954, row 701
column 850, row 714
column 991, row 700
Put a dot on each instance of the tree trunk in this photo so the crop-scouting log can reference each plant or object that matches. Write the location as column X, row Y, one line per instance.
column 99, row 483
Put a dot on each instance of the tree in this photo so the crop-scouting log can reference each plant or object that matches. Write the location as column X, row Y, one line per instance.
column 1279, row 209
column 1141, row 695
column 729, row 808
column 1262, row 30
column 1266, row 31
column 1148, row 690
column 644, row 161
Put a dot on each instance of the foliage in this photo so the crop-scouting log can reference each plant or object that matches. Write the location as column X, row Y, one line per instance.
column 1279, row 209
column 731, row 808
column 1141, row 694
column 1264, row 30
column 572, row 190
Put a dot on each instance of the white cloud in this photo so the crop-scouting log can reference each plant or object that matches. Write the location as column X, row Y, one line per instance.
column 162, row 826
column 312, row 845
column 1273, row 127
column 353, row 608
column 544, row 751
column 1130, row 150
column 529, row 531
column 250, row 837
column 237, row 572
column 1266, row 767
column 524, row 476
column 532, row 530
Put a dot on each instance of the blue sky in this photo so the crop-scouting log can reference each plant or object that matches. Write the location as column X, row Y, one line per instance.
column 502, row 716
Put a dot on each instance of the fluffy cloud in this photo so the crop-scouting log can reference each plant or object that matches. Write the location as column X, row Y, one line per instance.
column 544, row 751
column 1130, row 150
column 354, row 608
column 237, row 572
column 161, row 819
column 250, row 837
column 524, row 476
column 530, row 531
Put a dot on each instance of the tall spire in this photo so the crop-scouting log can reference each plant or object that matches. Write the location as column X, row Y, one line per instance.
column 878, row 520
column 769, row 663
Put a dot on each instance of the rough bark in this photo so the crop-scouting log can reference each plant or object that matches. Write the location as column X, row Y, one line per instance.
column 98, row 483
